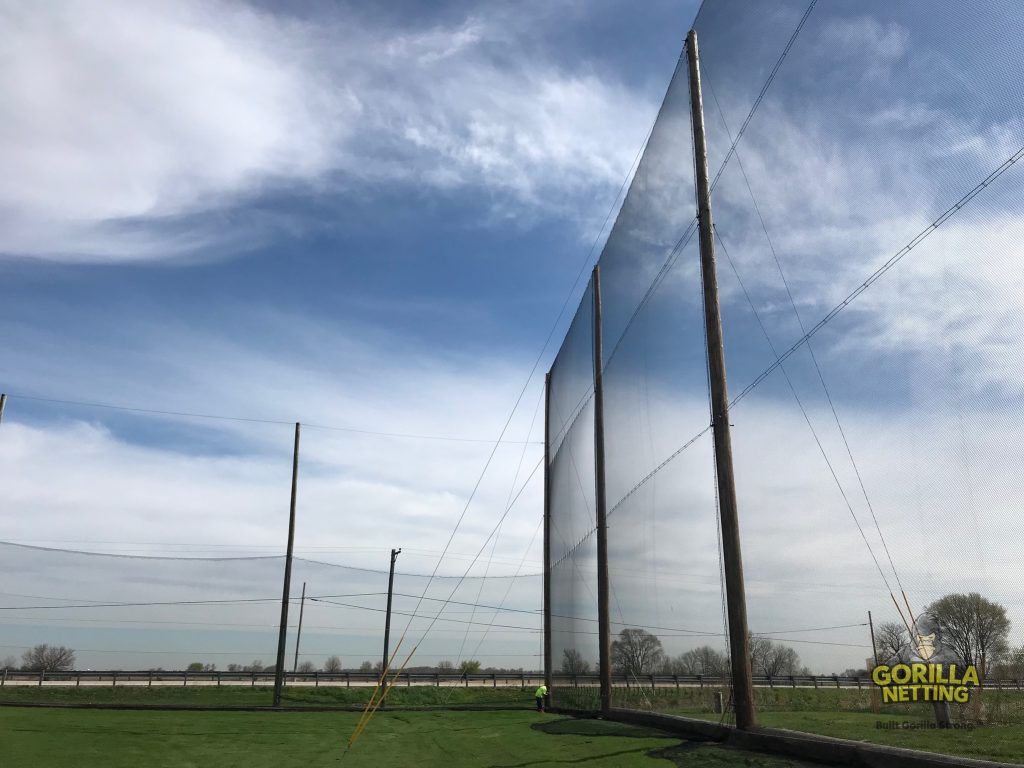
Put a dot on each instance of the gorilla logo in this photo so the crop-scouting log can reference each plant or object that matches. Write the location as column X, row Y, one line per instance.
column 926, row 646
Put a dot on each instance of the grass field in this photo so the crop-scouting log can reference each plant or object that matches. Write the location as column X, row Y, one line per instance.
column 847, row 714
column 840, row 713
column 244, row 696
column 52, row 738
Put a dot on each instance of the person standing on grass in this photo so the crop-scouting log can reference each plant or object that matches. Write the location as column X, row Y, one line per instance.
column 539, row 695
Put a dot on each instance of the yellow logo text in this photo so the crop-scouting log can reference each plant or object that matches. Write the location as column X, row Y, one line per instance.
column 924, row 682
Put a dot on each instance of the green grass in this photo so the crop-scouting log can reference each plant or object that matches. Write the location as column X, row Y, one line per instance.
column 841, row 713
column 1003, row 743
column 846, row 714
column 244, row 696
column 48, row 738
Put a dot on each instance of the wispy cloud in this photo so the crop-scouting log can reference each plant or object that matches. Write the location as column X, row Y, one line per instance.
column 129, row 125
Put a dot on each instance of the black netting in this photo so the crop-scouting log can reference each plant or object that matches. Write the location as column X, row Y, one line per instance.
column 867, row 206
column 573, row 548
column 138, row 613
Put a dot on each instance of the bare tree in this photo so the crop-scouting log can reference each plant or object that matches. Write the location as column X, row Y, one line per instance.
column 307, row 667
column 256, row 666
column 573, row 662
column 636, row 652
column 47, row 658
column 893, row 643
column 445, row 666
column 704, row 660
column 234, row 667
column 973, row 628
column 1012, row 665
column 772, row 659
column 333, row 664
column 9, row 663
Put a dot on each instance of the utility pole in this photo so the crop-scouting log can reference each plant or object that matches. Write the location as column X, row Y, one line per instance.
column 3, row 404
column 739, row 639
column 298, row 636
column 282, row 635
column 871, row 663
column 547, row 535
column 874, row 648
column 387, row 619
column 604, row 652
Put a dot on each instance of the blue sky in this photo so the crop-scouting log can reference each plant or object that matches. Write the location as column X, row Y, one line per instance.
column 318, row 212
column 371, row 218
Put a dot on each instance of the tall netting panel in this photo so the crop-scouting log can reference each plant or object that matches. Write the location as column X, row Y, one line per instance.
column 665, row 588
column 874, row 187
column 573, row 565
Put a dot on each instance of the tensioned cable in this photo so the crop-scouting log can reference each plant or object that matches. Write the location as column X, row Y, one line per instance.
column 494, row 544
column 893, row 260
column 803, row 411
column 508, row 589
column 462, row 578
column 247, row 419
column 415, row 615
column 764, row 90
column 810, row 348
column 536, row 363
column 687, row 234
column 384, row 687
column 874, row 277
column 246, row 558
column 691, row 228
column 163, row 602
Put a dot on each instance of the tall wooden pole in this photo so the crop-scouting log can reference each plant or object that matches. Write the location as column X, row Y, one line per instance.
column 3, row 404
column 547, row 536
column 387, row 618
column 874, row 648
column 739, row 639
column 282, row 635
column 298, row 635
column 603, row 609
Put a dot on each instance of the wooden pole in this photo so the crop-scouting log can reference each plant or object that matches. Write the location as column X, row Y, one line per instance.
column 298, row 635
column 547, row 536
column 282, row 635
column 387, row 618
column 739, row 639
column 603, row 606
column 874, row 648
column 3, row 404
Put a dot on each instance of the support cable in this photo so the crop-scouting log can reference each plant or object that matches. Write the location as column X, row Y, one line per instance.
column 810, row 348
column 871, row 280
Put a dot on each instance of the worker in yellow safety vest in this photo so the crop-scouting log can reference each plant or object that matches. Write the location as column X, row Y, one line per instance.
column 539, row 695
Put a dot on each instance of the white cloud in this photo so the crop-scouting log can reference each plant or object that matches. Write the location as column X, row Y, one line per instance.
column 127, row 120
column 102, row 475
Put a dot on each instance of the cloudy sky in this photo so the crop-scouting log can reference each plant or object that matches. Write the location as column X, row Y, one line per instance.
column 368, row 220
column 349, row 216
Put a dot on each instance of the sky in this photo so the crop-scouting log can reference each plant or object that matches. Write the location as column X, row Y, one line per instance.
column 370, row 220
column 339, row 214
column 888, row 460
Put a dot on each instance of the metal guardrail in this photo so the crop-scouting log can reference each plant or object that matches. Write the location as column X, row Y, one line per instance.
column 436, row 679
column 760, row 681
column 216, row 678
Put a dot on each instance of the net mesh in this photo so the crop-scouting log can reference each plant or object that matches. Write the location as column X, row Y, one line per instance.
column 867, row 206
column 165, row 537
